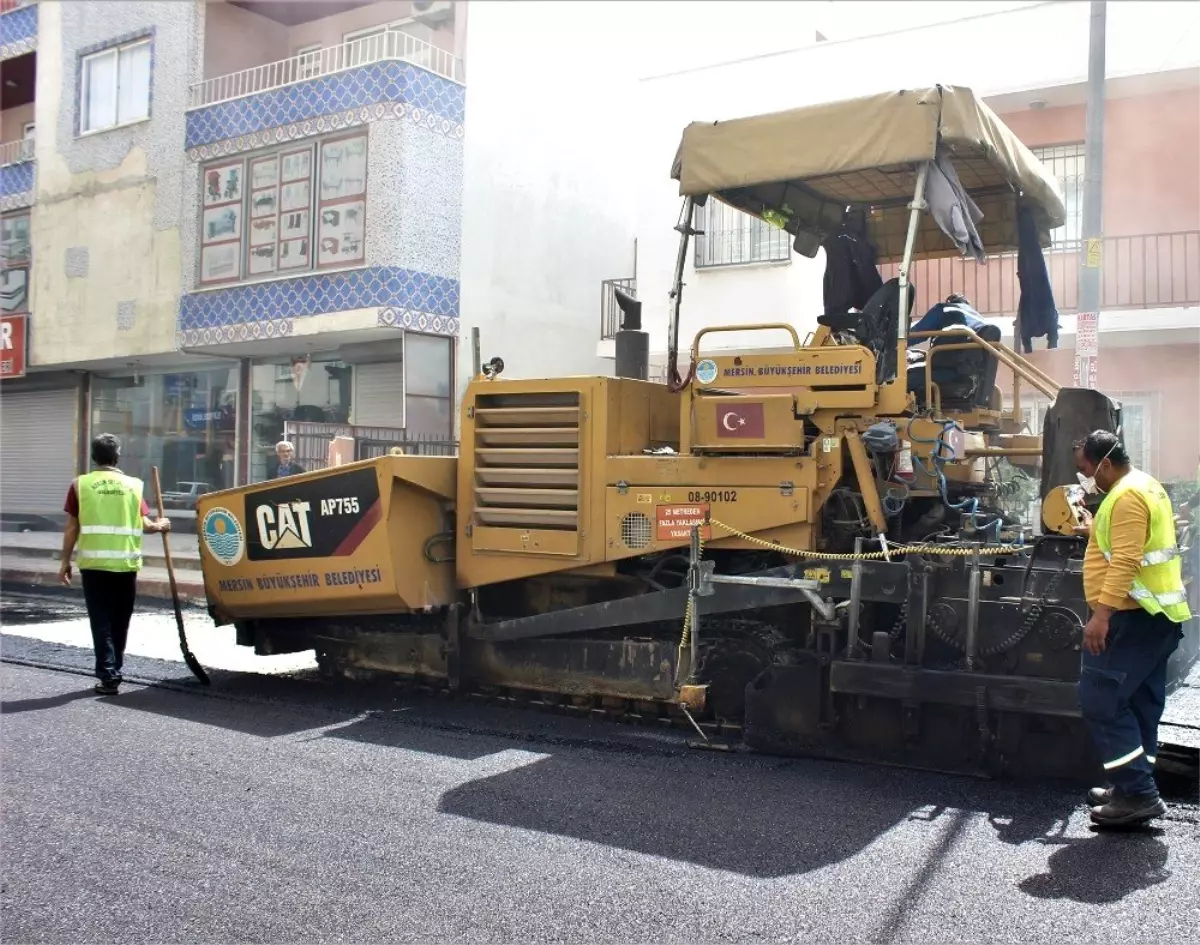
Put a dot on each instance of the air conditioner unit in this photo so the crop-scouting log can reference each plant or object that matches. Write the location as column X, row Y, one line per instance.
column 432, row 12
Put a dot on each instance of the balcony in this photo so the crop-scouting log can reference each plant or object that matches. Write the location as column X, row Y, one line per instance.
column 1159, row 270
column 610, row 312
column 393, row 71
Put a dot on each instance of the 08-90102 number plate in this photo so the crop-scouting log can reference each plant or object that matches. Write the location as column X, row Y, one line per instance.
column 713, row 495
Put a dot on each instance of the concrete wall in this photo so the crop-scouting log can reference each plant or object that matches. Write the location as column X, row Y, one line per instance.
column 1151, row 157
column 236, row 39
column 547, row 204
column 1162, row 376
column 107, row 264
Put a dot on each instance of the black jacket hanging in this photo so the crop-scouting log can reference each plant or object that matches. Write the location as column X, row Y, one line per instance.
column 1036, row 312
column 851, row 277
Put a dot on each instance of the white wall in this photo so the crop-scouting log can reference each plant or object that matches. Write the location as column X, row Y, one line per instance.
column 547, row 207
column 1031, row 48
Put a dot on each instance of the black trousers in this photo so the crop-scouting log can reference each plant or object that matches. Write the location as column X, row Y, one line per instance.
column 109, row 596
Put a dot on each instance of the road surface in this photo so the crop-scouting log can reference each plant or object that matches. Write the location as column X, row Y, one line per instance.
column 274, row 808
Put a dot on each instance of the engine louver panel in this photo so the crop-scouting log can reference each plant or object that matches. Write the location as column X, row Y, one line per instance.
column 527, row 461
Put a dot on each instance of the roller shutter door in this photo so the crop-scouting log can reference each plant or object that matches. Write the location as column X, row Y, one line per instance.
column 38, row 438
column 379, row 395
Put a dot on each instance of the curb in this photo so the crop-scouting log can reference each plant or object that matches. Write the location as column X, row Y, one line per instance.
column 190, row 592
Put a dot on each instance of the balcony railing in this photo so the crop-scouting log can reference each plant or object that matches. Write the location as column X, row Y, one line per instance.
column 392, row 45
column 1159, row 270
column 311, row 441
column 610, row 312
column 16, row 152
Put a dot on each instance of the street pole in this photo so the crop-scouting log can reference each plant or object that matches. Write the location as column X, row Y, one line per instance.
column 1087, row 332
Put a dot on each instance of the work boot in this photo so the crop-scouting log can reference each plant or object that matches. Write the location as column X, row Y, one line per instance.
column 1121, row 811
column 1099, row 796
column 107, row 688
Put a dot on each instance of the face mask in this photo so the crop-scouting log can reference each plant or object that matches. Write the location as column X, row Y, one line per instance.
column 1089, row 482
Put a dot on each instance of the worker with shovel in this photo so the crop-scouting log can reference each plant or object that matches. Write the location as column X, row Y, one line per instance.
column 106, row 516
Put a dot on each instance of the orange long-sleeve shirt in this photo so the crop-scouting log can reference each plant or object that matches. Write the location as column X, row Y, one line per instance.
column 1107, row 582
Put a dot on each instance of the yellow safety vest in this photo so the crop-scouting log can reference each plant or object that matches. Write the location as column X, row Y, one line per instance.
column 110, row 522
column 1158, row 585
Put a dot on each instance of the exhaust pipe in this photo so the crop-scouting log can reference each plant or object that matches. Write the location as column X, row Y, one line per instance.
column 632, row 344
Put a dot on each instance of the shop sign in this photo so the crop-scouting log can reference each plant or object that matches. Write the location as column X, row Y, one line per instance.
column 14, row 345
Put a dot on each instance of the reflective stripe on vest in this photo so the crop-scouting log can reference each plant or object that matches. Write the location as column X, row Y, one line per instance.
column 1158, row 585
column 110, row 521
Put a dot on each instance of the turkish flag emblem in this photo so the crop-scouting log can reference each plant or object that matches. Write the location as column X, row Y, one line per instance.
column 741, row 422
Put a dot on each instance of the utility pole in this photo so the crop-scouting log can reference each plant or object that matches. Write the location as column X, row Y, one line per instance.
column 1087, row 333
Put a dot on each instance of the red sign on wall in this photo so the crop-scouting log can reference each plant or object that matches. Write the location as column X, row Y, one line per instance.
column 14, row 343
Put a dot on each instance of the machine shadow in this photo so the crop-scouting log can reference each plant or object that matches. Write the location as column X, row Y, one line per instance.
column 805, row 815
column 251, row 705
column 395, row 728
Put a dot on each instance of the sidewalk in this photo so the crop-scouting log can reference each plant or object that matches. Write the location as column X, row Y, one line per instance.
column 31, row 559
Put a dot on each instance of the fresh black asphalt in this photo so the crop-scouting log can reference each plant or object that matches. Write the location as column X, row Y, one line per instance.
column 284, row 809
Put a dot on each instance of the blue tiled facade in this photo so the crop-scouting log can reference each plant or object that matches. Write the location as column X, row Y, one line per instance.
column 18, row 31
column 16, row 185
column 426, row 98
column 404, row 299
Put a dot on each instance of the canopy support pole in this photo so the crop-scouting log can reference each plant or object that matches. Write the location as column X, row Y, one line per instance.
column 915, row 209
column 685, row 230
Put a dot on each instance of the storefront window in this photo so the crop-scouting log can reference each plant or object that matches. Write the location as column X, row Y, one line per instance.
column 185, row 424
column 301, row 390
column 427, row 397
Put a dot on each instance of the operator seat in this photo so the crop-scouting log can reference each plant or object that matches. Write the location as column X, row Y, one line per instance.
column 875, row 326
column 965, row 378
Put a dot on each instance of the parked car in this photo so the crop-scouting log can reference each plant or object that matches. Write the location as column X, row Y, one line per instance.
column 185, row 494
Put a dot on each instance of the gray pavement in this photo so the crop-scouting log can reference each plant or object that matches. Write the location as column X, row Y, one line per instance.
column 283, row 809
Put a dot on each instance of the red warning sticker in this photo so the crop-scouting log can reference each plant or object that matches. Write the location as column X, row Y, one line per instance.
column 675, row 522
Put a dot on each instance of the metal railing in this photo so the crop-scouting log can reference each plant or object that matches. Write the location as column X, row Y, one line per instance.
column 322, row 62
column 16, row 152
column 1157, row 270
column 610, row 312
column 312, row 440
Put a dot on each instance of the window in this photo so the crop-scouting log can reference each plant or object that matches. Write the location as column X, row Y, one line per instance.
column 1065, row 161
column 27, row 131
column 310, row 60
column 427, row 378
column 733, row 238
column 115, row 87
column 184, row 423
column 285, row 211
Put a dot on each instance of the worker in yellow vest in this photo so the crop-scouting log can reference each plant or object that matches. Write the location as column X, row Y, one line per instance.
column 1133, row 583
column 106, row 516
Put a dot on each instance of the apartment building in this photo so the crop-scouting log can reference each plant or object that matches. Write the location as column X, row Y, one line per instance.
column 222, row 222
column 1030, row 65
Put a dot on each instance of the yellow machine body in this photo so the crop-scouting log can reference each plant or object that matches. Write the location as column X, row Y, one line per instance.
column 358, row 539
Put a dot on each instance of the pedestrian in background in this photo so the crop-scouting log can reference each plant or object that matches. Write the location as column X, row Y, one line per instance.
column 286, row 454
column 1133, row 584
column 106, row 516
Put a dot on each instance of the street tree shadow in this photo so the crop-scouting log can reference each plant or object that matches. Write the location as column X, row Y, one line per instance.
column 12, row 706
column 1102, row 869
